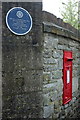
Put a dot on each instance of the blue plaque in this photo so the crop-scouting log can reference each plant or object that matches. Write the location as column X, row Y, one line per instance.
column 19, row 21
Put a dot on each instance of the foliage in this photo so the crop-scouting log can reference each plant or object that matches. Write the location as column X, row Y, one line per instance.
column 70, row 12
column 79, row 15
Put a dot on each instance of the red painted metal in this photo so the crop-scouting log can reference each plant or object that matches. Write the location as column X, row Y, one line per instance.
column 67, row 76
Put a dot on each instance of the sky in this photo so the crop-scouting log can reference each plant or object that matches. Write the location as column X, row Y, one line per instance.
column 53, row 6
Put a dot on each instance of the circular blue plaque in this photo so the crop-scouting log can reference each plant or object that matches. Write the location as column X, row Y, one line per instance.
column 19, row 21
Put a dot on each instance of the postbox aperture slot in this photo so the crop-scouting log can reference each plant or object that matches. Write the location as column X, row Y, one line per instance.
column 69, row 59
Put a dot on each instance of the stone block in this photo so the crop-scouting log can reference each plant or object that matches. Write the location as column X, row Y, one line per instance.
column 74, row 99
column 60, row 64
column 46, row 77
column 55, row 116
column 57, row 110
column 57, row 74
column 53, row 95
column 72, row 43
column 60, row 53
column 56, row 104
column 47, row 53
column 46, row 99
column 50, row 68
column 66, row 106
column 61, row 47
column 48, row 110
column 63, row 41
column 55, row 54
column 77, row 55
column 49, row 87
column 60, row 87
column 50, row 41
column 75, row 84
column 50, row 61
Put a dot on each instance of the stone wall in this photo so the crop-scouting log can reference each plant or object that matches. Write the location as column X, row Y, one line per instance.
column 59, row 36
column 0, row 60
column 22, row 66
column 31, row 85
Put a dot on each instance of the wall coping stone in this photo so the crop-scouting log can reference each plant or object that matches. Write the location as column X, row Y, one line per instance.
column 52, row 24
column 52, row 28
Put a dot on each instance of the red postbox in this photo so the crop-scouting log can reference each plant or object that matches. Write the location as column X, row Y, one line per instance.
column 67, row 76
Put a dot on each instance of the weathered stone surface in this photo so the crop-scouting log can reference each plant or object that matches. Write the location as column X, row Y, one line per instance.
column 55, row 54
column 54, row 95
column 60, row 64
column 0, row 60
column 48, row 68
column 50, row 61
column 32, row 68
column 50, row 41
column 22, row 66
column 49, row 87
column 59, row 30
column 47, row 77
column 57, row 74
column 48, row 110
column 46, row 98
column 63, row 41
column 53, row 64
column 75, row 84
column 47, row 53
column 25, row 104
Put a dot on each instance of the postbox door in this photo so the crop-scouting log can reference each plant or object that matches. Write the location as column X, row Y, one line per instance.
column 67, row 76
